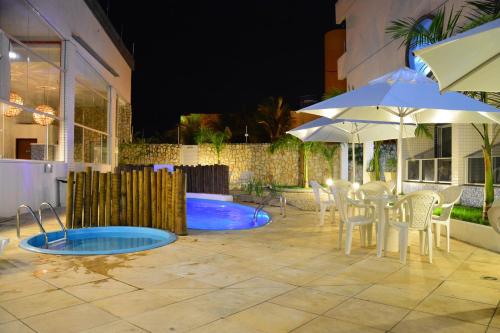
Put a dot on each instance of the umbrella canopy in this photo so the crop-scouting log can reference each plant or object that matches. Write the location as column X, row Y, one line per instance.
column 407, row 97
column 328, row 130
column 469, row 61
column 338, row 130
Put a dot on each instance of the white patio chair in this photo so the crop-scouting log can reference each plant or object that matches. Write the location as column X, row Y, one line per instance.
column 322, row 204
column 449, row 197
column 245, row 178
column 350, row 220
column 414, row 213
column 389, row 187
column 373, row 189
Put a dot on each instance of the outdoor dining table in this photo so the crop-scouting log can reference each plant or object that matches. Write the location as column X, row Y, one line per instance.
column 382, row 203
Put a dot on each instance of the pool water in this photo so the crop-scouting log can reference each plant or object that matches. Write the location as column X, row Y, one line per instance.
column 222, row 215
column 102, row 240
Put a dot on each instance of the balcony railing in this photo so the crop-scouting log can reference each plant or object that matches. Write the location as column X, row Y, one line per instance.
column 429, row 170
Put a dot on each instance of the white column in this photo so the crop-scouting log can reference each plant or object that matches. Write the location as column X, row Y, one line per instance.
column 344, row 161
column 4, row 67
column 367, row 156
column 67, row 131
column 400, row 157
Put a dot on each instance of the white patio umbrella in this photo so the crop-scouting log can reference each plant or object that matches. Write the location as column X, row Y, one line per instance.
column 406, row 97
column 343, row 131
column 469, row 61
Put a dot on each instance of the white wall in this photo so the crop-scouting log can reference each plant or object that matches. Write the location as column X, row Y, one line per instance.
column 27, row 183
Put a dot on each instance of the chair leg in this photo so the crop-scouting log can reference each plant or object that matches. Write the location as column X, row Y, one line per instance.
column 332, row 211
column 429, row 243
column 437, row 235
column 322, row 210
column 341, row 227
column 362, row 235
column 348, row 238
column 448, row 236
column 403, row 245
column 421, row 239
column 369, row 232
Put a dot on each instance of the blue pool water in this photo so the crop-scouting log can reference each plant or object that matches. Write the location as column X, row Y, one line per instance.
column 102, row 240
column 222, row 215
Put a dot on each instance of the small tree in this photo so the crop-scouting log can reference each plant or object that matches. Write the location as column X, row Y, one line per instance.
column 329, row 151
column 218, row 139
column 275, row 115
column 305, row 149
column 376, row 159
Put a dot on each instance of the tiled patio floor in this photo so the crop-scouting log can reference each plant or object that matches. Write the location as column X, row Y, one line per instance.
column 287, row 276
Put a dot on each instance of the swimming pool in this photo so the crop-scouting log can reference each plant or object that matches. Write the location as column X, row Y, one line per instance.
column 207, row 214
column 101, row 240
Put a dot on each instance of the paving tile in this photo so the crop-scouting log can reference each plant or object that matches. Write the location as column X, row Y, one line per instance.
column 465, row 310
column 332, row 325
column 15, row 326
column 495, row 321
column 17, row 289
column 133, row 303
column 40, row 303
column 119, row 326
column 272, row 318
column 366, row 313
column 469, row 291
column 99, row 289
column 70, row 277
column 225, row 326
column 5, row 316
column 404, row 298
column 417, row 322
column 178, row 317
column 309, row 300
column 292, row 276
column 73, row 319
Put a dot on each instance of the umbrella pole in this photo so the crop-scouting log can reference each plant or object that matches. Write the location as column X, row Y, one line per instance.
column 353, row 145
column 400, row 157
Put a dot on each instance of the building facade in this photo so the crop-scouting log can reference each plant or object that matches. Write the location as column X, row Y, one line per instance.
column 453, row 155
column 65, row 93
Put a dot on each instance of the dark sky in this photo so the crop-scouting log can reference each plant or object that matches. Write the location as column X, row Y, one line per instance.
column 219, row 56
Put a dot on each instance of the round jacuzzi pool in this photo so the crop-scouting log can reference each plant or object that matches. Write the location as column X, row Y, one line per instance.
column 223, row 215
column 102, row 240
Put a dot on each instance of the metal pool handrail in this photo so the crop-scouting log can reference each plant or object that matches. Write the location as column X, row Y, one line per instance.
column 56, row 215
column 18, row 222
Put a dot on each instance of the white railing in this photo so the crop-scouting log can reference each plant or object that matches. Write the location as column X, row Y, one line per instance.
column 429, row 170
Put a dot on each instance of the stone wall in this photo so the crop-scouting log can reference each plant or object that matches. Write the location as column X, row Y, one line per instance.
column 124, row 123
column 281, row 167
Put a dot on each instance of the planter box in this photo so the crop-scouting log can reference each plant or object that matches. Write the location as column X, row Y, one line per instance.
column 475, row 234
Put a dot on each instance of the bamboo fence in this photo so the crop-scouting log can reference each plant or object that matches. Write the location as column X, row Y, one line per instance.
column 141, row 198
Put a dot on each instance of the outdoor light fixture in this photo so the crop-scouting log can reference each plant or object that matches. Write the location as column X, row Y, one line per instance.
column 355, row 186
column 12, row 111
column 13, row 55
column 329, row 182
column 42, row 119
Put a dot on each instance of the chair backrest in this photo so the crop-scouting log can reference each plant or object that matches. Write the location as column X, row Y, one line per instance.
column 391, row 185
column 316, row 190
column 494, row 216
column 417, row 208
column 340, row 196
column 342, row 184
column 449, row 196
column 246, row 176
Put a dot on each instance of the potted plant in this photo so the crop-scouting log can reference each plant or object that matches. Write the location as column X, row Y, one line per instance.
column 390, row 169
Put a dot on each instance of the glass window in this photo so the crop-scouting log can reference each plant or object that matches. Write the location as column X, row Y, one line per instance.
column 91, row 115
column 444, row 170
column 428, row 170
column 475, row 170
column 442, row 145
column 413, row 171
column 412, row 61
column 29, row 78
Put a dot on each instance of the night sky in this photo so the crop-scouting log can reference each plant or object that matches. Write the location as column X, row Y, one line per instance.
column 219, row 56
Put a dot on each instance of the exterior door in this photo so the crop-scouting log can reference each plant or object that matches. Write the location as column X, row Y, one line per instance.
column 23, row 148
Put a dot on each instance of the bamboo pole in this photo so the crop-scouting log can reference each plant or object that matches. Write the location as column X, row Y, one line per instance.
column 123, row 198
column 164, row 180
column 115, row 199
column 95, row 198
column 158, row 198
column 102, row 200
column 135, row 199
column 129, row 198
column 146, row 197
column 180, row 219
column 140, row 177
column 153, row 200
column 69, row 199
column 80, row 181
column 172, row 201
column 107, row 220
column 88, row 197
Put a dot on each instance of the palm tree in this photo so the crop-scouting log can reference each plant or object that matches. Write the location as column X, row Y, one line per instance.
column 218, row 139
column 329, row 152
column 275, row 116
column 305, row 149
column 413, row 35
